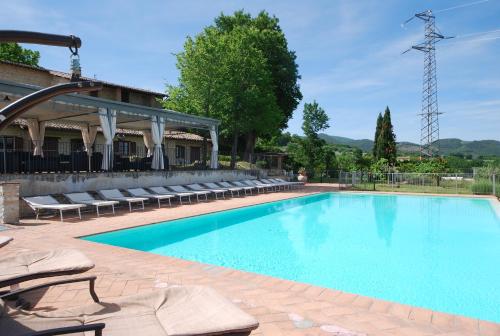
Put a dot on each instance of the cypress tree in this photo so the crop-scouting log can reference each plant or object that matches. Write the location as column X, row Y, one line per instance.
column 387, row 144
column 377, row 133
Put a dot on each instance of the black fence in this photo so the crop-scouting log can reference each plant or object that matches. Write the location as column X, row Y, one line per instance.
column 66, row 157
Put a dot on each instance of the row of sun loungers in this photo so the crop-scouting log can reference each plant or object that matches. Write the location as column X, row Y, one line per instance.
column 137, row 196
column 176, row 310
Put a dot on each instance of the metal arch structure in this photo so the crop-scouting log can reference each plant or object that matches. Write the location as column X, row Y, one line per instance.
column 17, row 108
column 429, row 122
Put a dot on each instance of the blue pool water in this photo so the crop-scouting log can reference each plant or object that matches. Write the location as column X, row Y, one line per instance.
column 441, row 253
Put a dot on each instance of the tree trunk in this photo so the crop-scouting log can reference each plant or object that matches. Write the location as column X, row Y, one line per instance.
column 249, row 146
column 234, row 150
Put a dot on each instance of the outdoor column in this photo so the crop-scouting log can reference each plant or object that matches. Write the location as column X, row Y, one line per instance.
column 107, row 117
column 215, row 148
column 148, row 142
column 157, row 133
column 36, row 131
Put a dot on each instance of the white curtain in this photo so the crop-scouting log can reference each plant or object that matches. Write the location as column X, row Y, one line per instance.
column 215, row 148
column 148, row 142
column 36, row 130
column 107, row 118
column 88, row 135
column 157, row 133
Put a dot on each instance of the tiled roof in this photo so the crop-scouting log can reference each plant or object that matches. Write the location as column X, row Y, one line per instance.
column 169, row 134
column 68, row 76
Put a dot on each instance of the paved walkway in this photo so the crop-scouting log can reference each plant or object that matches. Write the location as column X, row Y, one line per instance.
column 282, row 307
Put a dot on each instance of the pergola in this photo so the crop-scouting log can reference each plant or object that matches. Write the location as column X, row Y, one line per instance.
column 93, row 113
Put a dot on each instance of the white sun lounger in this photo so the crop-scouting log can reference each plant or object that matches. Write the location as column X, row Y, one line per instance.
column 226, row 185
column 141, row 192
column 181, row 189
column 251, row 184
column 86, row 198
column 274, row 186
column 198, row 188
column 38, row 203
column 292, row 183
column 165, row 191
column 231, row 189
column 259, row 185
column 277, row 184
column 116, row 195
column 245, row 187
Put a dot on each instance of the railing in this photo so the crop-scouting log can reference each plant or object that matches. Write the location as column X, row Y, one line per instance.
column 440, row 183
column 66, row 157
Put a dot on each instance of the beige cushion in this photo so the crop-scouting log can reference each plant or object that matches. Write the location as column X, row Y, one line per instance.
column 172, row 311
column 4, row 240
column 31, row 263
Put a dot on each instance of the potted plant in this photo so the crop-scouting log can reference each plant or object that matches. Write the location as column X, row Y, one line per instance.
column 302, row 175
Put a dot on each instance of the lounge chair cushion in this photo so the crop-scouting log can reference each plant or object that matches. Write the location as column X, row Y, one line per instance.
column 4, row 240
column 41, row 262
column 171, row 311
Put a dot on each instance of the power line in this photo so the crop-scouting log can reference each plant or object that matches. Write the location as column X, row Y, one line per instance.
column 461, row 6
column 470, row 41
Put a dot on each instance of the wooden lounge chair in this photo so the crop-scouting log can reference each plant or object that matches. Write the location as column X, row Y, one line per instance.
column 38, row 203
column 116, row 195
column 26, row 266
column 245, row 187
column 231, row 189
column 165, row 191
column 86, row 198
column 198, row 188
column 173, row 311
column 141, row 192
column 198, row 193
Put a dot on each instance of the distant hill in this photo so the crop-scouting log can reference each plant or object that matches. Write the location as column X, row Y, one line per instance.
column 365, row 145
column 447, row 146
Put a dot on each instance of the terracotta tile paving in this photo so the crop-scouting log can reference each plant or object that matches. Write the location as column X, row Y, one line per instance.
column 282, row 307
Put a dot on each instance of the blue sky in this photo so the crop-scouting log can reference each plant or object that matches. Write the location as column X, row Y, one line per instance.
column 349, row 54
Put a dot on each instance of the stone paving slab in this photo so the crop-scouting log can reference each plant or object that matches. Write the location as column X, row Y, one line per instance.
column 283, row 307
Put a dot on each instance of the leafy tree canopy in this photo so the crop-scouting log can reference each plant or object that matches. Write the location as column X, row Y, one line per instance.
column 13, row 52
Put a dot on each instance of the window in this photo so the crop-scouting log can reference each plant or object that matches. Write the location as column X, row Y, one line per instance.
column 124, row 148
column 50, row 147
column 195, row 154
column 77, row 145
column 11, row 144
column 180, row 152
column 125, row 96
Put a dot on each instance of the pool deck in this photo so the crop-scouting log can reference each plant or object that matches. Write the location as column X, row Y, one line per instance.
column 282, row 307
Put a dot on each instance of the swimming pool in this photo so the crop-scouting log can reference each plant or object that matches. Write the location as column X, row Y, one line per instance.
column 440, row 253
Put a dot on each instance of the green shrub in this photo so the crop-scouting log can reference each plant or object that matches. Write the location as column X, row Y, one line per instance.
column 261, row 164
column 482, row 187
column 227, row 158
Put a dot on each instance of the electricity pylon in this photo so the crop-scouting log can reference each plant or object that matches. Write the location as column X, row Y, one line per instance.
column 429, row 126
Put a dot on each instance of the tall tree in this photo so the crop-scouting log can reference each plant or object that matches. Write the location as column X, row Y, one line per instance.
column 315, row 120
column 13, row 52
column 386, row 141
column 226, row 73
column 271, row 41
column 377, row 133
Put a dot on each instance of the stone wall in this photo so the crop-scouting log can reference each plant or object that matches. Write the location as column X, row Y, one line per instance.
column 9, row 203
column 50, row 184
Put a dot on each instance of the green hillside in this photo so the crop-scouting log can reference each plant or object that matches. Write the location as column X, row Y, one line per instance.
column 447, row 146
